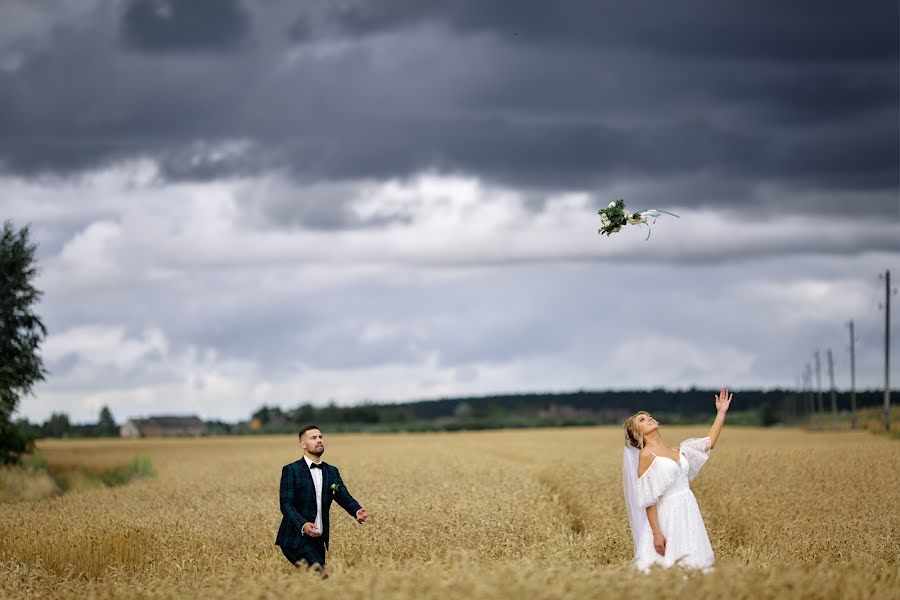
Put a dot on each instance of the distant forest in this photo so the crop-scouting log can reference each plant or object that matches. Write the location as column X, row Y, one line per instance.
column 750, row 407
column 692, row 402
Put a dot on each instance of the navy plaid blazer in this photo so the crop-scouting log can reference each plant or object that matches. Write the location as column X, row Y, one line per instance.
column 298, row 502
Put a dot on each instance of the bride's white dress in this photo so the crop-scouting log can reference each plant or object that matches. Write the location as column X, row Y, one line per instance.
column 667, row 485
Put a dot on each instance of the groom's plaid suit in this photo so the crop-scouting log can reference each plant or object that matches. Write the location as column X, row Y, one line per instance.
column 298, row 506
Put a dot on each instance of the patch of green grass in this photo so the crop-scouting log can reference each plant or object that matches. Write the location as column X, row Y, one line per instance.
column 35, row 461
column 141, row 466
column 115, row 476
column 62, row 481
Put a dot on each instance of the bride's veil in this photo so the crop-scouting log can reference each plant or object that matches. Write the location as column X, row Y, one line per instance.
column 636, row 516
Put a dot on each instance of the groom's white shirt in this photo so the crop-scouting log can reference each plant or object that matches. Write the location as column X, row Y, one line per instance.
column 317, row 481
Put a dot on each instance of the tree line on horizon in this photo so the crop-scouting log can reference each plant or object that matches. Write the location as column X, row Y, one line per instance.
column 755, row 407
column 758, row 407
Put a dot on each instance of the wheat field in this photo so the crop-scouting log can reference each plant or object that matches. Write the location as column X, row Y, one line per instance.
column 530, row 513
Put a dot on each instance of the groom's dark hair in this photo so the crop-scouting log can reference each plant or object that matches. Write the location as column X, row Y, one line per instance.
column 305, row 429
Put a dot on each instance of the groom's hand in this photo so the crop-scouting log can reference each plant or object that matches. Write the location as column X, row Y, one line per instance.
column 362, row 515
column 310, row 530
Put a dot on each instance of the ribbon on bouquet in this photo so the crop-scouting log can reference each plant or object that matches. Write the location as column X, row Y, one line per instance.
column 642, row 217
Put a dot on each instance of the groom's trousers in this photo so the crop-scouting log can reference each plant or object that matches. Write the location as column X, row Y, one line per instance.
column 313, row 554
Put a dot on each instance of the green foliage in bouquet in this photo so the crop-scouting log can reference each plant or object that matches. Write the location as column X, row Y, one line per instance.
column 613, row 217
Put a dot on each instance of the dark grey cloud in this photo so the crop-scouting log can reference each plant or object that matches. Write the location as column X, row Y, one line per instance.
column 184, row 25
column 581, row 96
column 705, row 29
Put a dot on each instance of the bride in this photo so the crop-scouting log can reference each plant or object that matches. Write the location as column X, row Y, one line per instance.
column 666, row 525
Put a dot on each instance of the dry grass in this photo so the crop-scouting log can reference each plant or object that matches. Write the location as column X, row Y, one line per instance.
column 535, row 514
column 19, row 484
column 868, row 419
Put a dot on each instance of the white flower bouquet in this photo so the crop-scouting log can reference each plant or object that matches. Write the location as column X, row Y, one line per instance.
column 614, row 217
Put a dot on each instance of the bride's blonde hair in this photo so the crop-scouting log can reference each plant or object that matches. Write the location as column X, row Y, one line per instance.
column 632, row 435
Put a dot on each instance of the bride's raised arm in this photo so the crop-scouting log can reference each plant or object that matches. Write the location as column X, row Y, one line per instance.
column 723, row 401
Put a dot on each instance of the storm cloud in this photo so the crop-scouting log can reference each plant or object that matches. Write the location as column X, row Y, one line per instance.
column 752, row 94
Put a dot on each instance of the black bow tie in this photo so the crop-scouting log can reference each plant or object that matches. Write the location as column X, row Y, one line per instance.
column 316, row 466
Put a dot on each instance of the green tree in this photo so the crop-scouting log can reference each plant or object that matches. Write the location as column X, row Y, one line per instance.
column 106, row 426
column 262, row 414
column 57, row 425
column 14, row 442
column 330, row 413
column 767, row 416
column 303, row 414
column 21, row 334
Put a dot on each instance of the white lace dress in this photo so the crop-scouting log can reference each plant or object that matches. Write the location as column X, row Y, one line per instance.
column 666, row 484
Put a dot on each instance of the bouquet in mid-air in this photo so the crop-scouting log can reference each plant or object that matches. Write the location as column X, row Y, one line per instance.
column 614, row 217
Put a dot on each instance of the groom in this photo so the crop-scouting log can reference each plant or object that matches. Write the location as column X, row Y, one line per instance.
column 307, row 488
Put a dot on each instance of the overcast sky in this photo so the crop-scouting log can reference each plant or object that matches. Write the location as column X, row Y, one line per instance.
column 279, row 202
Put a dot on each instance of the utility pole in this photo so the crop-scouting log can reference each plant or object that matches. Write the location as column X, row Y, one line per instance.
column 820, row 406
column 852, row 376
column 801, row 404
column 795, row 401
column 887, row 351
column 834, row 411
column 791, row 400
column 810, row 401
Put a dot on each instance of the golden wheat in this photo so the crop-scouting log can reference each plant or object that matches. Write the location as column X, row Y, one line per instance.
column 535, row 514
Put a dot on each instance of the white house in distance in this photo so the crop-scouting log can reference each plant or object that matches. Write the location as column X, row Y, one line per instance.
column 163, row 426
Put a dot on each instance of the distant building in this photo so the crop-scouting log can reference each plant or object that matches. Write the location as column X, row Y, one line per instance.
column 163, row 426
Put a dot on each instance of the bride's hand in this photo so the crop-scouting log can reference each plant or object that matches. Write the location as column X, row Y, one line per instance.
column 659, row 542
column 723, row 401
